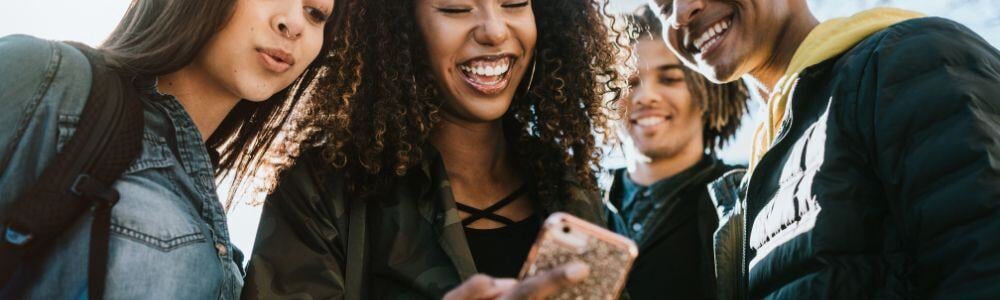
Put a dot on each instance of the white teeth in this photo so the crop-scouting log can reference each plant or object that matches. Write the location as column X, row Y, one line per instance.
column 650, row 121
column 711, row 35
column 487, row 70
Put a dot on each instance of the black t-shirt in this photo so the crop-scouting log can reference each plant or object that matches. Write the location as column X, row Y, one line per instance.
column 500, row 252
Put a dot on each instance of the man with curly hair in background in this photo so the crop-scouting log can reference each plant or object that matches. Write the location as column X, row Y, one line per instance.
column 673, row 120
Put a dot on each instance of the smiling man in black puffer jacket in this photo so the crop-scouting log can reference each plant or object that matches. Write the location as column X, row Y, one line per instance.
column 877, row 173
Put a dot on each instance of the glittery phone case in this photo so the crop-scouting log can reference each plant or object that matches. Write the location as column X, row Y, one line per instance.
column 565, row 238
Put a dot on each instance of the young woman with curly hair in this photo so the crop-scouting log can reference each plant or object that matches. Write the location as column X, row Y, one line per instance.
column 475, row 119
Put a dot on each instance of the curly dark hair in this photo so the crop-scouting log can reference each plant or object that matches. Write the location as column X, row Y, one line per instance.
column 378, row 130
column 722, row 105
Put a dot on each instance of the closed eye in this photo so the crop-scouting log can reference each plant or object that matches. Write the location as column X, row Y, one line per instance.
column 516, row 5
column 453, row 10
column 316, row 15
column 666, row 80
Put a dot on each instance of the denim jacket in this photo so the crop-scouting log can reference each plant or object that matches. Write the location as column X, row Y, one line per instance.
column 169, row 238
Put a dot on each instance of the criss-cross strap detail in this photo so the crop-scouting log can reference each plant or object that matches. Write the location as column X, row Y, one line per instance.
column 476, row 214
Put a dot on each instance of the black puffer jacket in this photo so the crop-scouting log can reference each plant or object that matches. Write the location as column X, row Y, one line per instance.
column 884, row 181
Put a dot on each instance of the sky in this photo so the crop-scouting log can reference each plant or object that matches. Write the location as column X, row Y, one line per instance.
column 90, row 21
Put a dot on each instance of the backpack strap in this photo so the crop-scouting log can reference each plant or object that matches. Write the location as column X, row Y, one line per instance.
column 108, row 138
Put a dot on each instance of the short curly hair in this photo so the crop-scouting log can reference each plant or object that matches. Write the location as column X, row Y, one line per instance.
column 722, row 105
column 377, row 131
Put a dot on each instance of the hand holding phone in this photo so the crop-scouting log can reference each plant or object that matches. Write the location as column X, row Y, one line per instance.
column 539, row 286
column 565, row 239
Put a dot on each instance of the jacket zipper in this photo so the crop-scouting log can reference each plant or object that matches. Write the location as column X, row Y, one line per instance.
column 743, row 282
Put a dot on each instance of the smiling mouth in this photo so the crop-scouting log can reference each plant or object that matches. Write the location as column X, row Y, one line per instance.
column 712, row 36
column 489, row 75
column 650, row 121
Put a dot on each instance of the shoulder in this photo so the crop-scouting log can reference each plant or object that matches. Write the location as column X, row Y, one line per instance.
column 310, row 187
column 23, row 52
column 28, row 58
column 309, row 173
column 914, row 47
column 34, row 70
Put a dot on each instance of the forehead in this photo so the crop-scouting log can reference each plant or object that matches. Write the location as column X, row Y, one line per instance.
column 653, row 53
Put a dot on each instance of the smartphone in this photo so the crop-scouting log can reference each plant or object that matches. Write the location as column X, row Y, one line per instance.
column 565, row 238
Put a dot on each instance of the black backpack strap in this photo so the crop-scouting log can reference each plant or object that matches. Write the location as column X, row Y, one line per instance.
column 108, row 138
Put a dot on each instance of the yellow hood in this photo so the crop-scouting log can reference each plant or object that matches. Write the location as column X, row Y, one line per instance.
column 828, row 39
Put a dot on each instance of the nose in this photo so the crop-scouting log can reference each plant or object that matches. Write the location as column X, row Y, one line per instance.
column 684, row 11
column 289, row 25
column 643, row 95
column 493, row 29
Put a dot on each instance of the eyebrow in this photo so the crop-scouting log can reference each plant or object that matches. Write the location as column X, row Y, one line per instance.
column 668, row 67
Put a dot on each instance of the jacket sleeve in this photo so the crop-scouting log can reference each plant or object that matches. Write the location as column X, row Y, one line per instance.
column 936, row 142
column 43, row 85
column 297, row 253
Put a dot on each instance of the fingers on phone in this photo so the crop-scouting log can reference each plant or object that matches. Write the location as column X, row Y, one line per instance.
column 477, row 287
column 550, row 282
column 481, row 286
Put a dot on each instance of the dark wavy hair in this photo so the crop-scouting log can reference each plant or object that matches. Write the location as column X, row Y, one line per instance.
column 157, row 37
column 722, row 105
column 379, row 130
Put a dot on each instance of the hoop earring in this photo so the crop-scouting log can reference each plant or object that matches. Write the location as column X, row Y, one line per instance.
column 531, row 78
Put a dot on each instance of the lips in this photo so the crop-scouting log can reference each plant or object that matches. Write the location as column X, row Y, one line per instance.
column 488, row 75
column 649, row 121
column 710, row 36
column 276, row 60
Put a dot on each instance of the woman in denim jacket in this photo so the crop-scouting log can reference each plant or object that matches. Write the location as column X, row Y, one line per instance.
column 210, row 75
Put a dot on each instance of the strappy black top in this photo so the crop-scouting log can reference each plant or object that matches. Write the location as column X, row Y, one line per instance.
column 500, row 252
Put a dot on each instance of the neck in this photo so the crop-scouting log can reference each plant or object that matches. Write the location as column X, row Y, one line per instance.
column 789, row 39
column 654, row 169
column 476, row 157
column 203, row 98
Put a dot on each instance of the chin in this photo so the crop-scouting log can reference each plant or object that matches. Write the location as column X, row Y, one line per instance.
column 486, row 115
column 258, row 93
column 483, row 110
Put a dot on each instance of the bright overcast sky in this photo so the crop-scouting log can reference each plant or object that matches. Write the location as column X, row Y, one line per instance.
column 90, row 21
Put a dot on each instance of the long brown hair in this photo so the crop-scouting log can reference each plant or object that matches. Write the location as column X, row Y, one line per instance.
column 379, row 133
column 722, row 105
column 158, row 37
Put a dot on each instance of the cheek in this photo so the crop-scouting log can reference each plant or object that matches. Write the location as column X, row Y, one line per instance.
column 527, row 31
column 680, row 98
column 439, row 38
column 312, row 49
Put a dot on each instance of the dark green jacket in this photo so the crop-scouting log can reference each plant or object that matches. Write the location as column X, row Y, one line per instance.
column 408, row 244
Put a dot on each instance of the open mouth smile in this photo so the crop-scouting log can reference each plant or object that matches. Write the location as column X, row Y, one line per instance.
column 650, row 121
column 710, row 37
column 489, row 75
